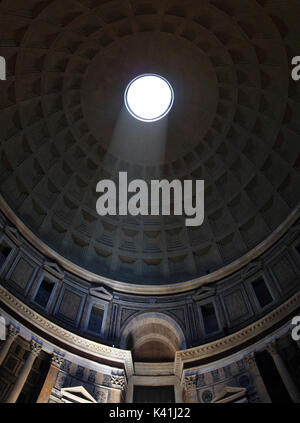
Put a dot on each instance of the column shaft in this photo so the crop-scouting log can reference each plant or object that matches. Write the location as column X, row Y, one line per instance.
column 35, row 349
column 257, row 379
column 5, row 349
column 12, row 335
column 13, row 396
column 286, row 378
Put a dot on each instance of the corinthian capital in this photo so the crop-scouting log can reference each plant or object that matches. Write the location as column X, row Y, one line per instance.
column 190, row 382
column 118, row 381
column 35, row 347
column 13, row 332
column 57, row 360
column 272, row 347
column 250, row 361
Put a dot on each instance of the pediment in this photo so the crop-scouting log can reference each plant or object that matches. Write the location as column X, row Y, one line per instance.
column 204, row 292
column 252, row 267
column 230, row 394
column 13, row 234
column 54, row 269
column 77, row 394
column 101, row 292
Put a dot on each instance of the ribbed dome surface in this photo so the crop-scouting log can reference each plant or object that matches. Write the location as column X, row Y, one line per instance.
column 235, row 124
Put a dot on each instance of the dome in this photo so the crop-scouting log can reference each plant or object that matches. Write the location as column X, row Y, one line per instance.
column 233, row 124
column 127, row 308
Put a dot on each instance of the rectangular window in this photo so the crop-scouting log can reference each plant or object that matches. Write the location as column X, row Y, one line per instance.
column 209, row 318
column 95, row 321
column 4, row 253
column 44, row 292
column 262, row 292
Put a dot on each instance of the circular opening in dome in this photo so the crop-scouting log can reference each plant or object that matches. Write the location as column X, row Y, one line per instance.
column 149, row 97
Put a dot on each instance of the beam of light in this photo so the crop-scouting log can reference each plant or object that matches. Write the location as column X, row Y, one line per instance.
column 138, row 143
column 149, row 97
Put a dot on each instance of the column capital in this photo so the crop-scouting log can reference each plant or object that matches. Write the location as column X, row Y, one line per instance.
column 13, row 332
column 190, row 382
column 272, row 347
column 57, row 360
column 118, row 381
column 250, row 360
column 35, row 347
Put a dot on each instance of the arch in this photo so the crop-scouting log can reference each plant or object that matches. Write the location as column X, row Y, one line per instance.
column 160, row 332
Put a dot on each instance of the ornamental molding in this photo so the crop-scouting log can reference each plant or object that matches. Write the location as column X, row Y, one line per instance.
column 131, row 288
column 63, row 335
column 238, row 338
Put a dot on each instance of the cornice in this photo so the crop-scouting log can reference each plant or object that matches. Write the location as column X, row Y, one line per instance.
column 64, row 336
column 142, row 289
column 239, row 338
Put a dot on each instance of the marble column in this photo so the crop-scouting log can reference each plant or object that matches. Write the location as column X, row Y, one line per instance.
column 35, row 349
column 56, row 363
column 284, row 372
column 257, row 379
column 11, row 336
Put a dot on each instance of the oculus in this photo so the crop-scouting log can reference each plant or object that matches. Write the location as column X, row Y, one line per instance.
column 149, row 97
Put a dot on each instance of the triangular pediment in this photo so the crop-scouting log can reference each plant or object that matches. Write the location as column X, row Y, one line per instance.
column 13, row 234
column 77, row 394
column 101, row 292
column 204, row 292
column 230, row 394
column 252, row 267
column 54, row 269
